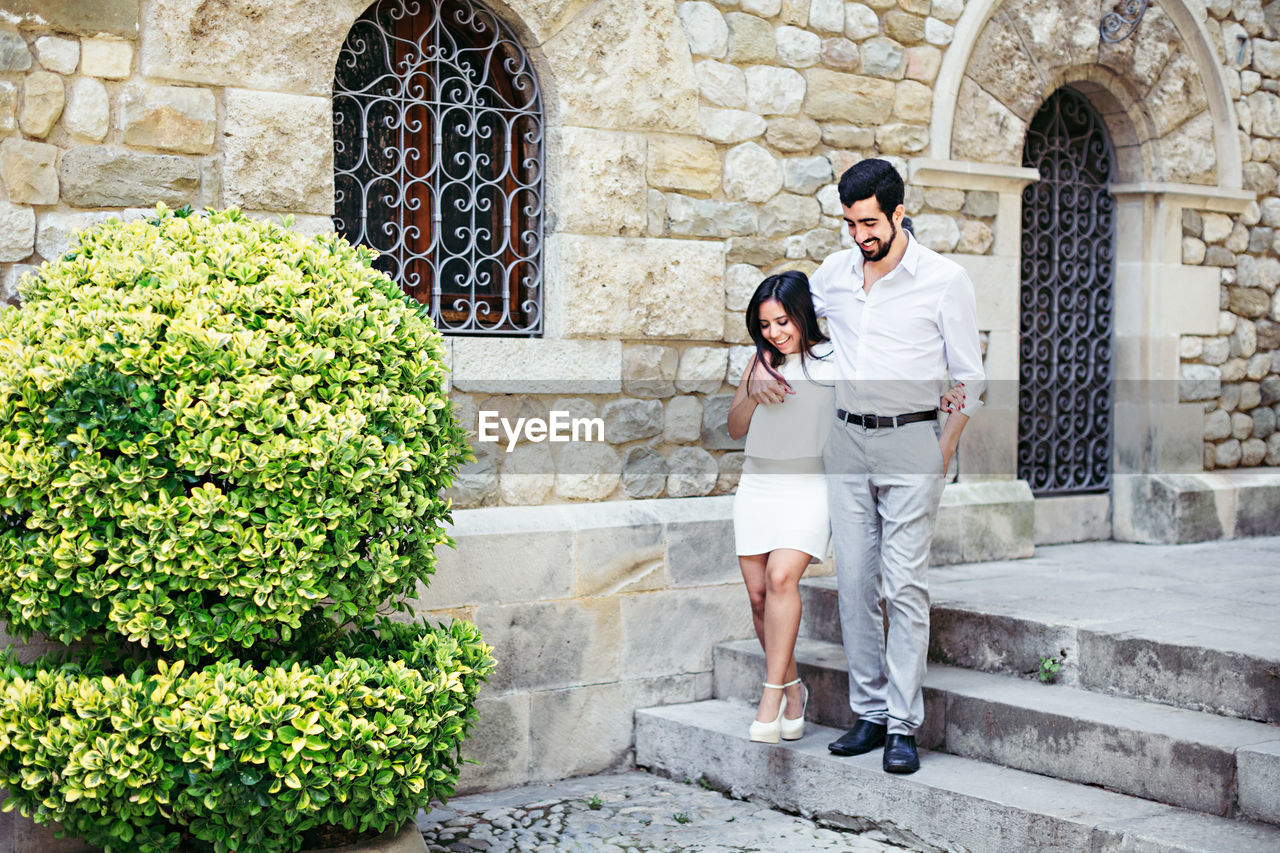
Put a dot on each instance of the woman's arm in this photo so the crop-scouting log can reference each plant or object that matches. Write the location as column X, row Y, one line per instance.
column 742, row 407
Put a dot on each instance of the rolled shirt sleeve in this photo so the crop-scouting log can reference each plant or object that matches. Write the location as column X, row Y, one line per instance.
column 958, row 322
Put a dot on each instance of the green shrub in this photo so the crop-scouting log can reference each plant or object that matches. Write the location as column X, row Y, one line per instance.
column 210, row 426
column 237, row 757
column 221, row 451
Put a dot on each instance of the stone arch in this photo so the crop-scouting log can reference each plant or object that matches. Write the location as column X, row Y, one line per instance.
column 1161, row 89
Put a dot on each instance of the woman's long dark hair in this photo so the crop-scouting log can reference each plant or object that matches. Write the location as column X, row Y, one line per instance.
column 791, row 290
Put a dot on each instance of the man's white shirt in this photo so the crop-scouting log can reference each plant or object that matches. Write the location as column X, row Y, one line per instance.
column 896, row 345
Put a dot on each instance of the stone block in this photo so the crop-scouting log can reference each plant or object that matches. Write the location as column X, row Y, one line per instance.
column 904, row 27
column 798, row 48
column 88, row 112
column 17, row 232
column 528, row 475
column 731, row 126
column 536, row 366
column 694, row 621
column 29, row 172
column 107, row 58
column 58, row 54
column 1178, row 94
column 9, row 283
column 848, row 137
column 601, row 189
column 682, row 422
column 848, row 97
column 841, row 54
column 8, row 106
column 14, row 53
column 619, row 548
column 587, row 471
column 705, row 28
column 692, row 472
column 740, row 282
column 621, row 287
column 589, row 729
column 821, row 242
column 119, row 17
column 826, row 16
column 721, row 84
column 644, row 81
column 991, row 520
column 715, row 424
column 477, row 481
column 992, row 133
column 774, row 91
column 43, row 97
column 553, row 644
column 1165, row 508
column 644, row 473
column 751, row 39
column 753, row 250
column 1072, row 518
column 499, row 744
column 705, row 217
column 912, row 102
column 649, row 371
column 683, row 163
column 975, row 238
column 191, row 41
column 751, row 173
column 702, row 370
column 1259, row 781
column 806, row 175
column 937, row 231
column 1199, row 382
column 503, row 555
column 789, row 214
column 700, row 545
column 93, row 176
column 901, row 138
column 172, row 118
column 629, row 420
column 882, row 57
column 793, row 134
column 278, row 152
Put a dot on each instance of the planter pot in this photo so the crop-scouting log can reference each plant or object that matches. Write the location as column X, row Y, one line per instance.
column 408, row 839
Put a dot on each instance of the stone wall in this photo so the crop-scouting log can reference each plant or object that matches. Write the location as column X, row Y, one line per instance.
column 1236, row 373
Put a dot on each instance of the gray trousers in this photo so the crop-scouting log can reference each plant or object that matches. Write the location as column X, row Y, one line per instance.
column 883, row 490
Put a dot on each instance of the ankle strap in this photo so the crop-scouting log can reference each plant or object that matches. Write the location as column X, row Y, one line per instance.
column 782, row 686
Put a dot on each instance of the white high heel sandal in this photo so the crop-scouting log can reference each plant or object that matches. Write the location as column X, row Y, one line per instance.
column 794, row 729
column 769, row 732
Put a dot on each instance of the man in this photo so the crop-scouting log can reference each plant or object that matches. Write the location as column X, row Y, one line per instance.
column 901, row 317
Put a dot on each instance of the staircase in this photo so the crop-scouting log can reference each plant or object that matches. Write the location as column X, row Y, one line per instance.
column 1161, row 733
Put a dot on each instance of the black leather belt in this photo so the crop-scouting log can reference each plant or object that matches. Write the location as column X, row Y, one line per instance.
column 879, row 421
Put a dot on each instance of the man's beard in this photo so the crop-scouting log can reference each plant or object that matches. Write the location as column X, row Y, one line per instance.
column 880, row 253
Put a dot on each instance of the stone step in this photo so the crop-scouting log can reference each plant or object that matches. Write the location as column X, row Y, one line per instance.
column 1190, row 759
column 951, row 804
column 1199, row 663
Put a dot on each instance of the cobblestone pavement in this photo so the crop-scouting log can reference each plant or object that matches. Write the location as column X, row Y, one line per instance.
column 624, row 812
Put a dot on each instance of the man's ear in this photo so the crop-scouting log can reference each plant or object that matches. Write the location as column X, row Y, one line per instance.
column 898, row 213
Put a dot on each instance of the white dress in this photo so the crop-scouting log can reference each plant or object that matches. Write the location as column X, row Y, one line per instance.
column 782, row 495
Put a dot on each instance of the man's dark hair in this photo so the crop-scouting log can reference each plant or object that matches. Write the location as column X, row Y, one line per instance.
column 872, row 178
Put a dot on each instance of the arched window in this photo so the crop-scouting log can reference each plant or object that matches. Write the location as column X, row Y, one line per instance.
column 437, row 134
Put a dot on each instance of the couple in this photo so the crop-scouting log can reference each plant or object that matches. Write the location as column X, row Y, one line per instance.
column 864, row 452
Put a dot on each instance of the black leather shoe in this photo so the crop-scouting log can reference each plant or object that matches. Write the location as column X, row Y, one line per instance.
column 863, row 737
column 900, row 754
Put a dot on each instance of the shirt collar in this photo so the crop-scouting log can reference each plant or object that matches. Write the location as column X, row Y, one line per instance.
column 910, row 259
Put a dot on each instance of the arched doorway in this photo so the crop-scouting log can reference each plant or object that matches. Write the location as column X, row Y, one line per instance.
column 1065, row 395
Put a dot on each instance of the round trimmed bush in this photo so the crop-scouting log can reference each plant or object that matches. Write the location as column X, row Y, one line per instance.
column 222, row 445
column 210, row 427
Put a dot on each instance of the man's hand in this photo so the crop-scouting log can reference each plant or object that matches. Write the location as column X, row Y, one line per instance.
column 764, row 388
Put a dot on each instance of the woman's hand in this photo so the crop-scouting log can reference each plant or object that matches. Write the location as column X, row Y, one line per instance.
column 764, row 387
column 953, row 400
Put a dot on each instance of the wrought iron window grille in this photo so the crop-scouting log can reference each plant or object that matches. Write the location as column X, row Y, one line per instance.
column 438, row 161
column 1065, row 389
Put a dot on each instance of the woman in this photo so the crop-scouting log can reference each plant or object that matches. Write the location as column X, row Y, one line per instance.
column 780, row 510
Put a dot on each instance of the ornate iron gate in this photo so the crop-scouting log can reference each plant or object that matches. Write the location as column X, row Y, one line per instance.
column 1068, row 265
column 437, row 125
